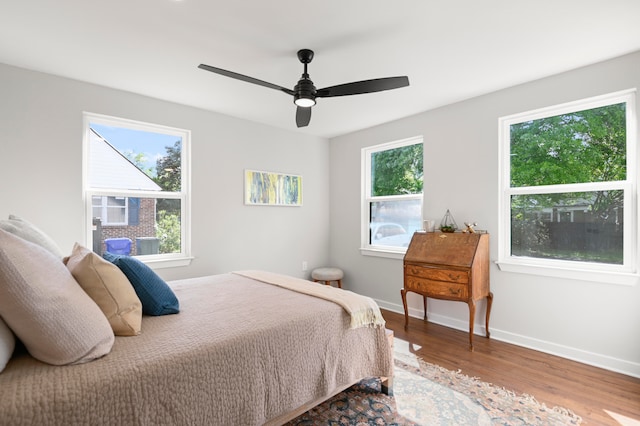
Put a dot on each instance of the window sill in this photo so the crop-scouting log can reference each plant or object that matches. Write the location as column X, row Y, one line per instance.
column 600, row 276
column 173, row 262
column 388, row 253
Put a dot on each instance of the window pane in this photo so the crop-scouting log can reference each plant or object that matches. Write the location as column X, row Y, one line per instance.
column 153, row 226
column 586, row 226
column 397, row 171
column 393, row 223
column 578, row 147
column 112, row 211
column 122, row 158
column 116, row 215
column 96, row 204
column 116, row 201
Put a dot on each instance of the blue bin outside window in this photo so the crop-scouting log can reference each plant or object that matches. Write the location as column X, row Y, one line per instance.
column 118, row 245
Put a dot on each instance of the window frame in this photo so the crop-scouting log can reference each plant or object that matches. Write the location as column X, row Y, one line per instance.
column 156, row 261
column 625, row 274
column 366, row 248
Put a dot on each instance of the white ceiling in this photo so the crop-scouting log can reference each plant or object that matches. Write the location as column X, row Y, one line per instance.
column 451, row 50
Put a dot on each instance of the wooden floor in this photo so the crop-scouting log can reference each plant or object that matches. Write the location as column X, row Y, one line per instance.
column 588, row 391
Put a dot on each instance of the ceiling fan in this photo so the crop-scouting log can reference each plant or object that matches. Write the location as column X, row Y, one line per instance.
column 305, row 93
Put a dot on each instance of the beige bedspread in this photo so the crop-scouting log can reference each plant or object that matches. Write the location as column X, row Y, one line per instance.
column 363, row 311
column 240, row 352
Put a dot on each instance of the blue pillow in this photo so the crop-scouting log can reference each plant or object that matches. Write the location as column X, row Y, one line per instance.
column 154, row 294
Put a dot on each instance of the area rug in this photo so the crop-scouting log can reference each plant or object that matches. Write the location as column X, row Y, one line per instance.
column 426, row 394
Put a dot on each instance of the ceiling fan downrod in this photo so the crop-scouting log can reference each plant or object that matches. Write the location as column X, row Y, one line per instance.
column 305, row 91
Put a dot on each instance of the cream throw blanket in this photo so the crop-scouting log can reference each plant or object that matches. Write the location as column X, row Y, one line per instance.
column 364, row 311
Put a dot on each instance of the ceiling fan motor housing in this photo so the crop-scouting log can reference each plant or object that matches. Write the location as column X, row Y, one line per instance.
column 305, row 92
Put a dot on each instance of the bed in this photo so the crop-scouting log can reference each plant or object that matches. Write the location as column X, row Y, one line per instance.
column 242, row 351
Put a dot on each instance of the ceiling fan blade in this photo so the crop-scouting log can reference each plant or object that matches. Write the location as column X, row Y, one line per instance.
column 365, row 86
column 245, row 78
column 303, row 116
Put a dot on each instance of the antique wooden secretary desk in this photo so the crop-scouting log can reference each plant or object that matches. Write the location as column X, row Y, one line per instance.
column 450, row 266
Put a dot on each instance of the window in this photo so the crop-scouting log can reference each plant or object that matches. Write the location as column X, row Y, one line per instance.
column 136, row 189
column 568, row 190
column 110, row 210
column 392, row 196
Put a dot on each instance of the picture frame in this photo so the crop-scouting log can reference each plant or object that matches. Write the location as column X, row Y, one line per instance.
column 262, row 188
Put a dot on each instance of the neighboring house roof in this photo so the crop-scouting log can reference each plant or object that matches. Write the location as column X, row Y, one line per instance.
column 110, row 169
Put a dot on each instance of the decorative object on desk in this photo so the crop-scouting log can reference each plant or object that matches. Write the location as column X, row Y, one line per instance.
column 448, row 223
column 272, row 189
column 429, row 225
column 470, row 227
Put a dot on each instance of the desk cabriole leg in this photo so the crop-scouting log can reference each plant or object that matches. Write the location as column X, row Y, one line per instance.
column 424, row 298
column 403, row 293
column 489, row 303
column 472, row 316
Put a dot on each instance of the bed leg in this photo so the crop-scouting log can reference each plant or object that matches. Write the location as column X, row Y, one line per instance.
column 387, row 386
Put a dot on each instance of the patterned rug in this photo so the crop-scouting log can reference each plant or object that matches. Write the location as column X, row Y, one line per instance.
column 426, row 394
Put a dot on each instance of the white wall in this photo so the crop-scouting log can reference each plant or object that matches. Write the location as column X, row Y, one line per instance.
column 587, row 321
column 41, row 166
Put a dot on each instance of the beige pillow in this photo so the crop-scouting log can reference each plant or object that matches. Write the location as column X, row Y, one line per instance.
column 109, row 287
column 26, row 230
column 46, row 308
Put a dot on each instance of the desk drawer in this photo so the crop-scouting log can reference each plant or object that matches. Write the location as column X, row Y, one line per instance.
column 448, row 275
column 437, row 288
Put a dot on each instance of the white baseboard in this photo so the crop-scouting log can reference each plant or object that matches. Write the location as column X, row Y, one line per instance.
column 590, row 358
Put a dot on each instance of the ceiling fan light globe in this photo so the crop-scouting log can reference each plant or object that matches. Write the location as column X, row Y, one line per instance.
column 305, row 102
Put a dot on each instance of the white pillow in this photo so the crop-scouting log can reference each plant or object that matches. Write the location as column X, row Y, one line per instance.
column 30, row 232
column 46, row 308
column 7, row 344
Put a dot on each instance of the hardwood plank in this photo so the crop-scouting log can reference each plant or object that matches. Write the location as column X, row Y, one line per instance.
column 552, row 380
